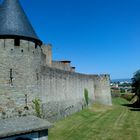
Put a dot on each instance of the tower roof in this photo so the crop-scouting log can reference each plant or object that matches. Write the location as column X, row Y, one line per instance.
column 14, row 22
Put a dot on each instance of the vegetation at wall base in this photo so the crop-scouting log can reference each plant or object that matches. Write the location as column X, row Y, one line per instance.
column 86, row 96
column 37, row 106
column 99, row 122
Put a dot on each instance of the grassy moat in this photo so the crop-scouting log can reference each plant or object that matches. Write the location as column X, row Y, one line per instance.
column 99, row 122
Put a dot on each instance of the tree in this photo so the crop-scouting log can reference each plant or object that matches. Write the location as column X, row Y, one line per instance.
column 136, row 83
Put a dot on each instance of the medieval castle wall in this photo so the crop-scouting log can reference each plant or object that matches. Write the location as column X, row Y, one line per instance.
column 64, row 91
column 27, row 73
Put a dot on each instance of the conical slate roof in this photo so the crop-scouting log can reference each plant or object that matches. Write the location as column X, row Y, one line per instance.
column 14, row 22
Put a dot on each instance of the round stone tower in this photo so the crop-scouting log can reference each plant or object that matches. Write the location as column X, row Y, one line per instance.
column 20, row 56
column 14, row 23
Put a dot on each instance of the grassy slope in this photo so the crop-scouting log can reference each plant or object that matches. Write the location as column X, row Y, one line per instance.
column 99, row 123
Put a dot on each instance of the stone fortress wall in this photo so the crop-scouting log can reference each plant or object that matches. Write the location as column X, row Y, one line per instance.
column 27, row 73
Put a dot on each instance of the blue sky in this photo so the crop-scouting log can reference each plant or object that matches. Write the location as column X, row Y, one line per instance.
column 98, row 36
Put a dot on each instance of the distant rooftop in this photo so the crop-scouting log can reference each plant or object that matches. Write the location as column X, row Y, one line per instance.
column 65, row 61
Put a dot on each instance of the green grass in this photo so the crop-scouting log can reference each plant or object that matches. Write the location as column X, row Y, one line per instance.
column 99, row 123
column 119, row 101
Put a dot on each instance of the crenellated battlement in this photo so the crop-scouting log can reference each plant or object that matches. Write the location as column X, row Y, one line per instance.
column 23, row 46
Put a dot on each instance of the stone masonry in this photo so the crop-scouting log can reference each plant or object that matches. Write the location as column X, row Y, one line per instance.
column 31, row 82
column 26, row 73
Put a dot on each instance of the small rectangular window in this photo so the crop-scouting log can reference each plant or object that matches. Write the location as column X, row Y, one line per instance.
column 17, row 42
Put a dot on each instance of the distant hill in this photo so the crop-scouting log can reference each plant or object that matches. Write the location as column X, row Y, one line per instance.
column 121, row 80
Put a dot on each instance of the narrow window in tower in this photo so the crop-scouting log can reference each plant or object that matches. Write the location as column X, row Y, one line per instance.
column 17, row 42
column 11, row 77
column 4, row 43
column 37, row 76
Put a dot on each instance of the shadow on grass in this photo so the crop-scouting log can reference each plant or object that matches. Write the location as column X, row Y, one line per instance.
column 133, row 107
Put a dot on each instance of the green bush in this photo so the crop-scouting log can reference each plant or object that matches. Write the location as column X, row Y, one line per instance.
column 86, row 96
column 122, row 90
column 37, row 105
column 127, row 96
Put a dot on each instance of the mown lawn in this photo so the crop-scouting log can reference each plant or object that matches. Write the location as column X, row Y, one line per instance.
column 99, row 123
